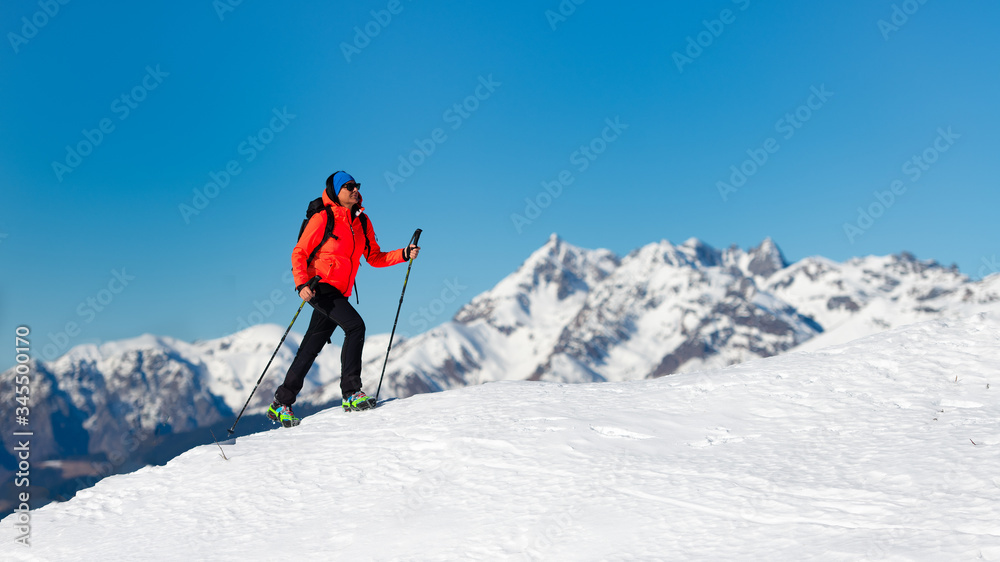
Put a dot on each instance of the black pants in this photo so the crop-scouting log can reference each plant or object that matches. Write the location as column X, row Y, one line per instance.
column 331, row 309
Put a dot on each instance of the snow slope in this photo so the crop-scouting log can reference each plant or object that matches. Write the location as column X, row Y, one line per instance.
column 884, row 448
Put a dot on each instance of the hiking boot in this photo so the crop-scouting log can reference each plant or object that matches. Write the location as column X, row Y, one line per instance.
column 282, row 414
column 358, row 401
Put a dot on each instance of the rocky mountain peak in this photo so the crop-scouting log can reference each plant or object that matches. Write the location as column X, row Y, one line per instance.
column 699, row 253
column 557, row 267
column 766, row 259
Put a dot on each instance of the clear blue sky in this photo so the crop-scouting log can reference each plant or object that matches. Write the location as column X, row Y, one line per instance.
column 198, row 80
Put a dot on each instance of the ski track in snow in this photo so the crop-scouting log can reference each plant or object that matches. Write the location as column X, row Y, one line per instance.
column 862, row 451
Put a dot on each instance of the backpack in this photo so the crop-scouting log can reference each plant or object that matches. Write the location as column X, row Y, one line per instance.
column 316, row 206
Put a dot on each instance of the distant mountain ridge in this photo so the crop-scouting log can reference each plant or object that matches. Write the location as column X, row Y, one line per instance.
column 574, row 315
column 566, row 314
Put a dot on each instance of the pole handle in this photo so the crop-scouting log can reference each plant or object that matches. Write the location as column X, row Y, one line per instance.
column 416, row 238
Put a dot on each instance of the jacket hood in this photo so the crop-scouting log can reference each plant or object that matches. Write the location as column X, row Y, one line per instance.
column 330, row 202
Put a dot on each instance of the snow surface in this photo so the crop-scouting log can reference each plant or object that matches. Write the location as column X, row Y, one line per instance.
column 883, row 448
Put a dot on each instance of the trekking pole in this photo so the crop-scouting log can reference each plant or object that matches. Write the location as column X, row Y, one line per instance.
column 414, row 241
column 312, row 286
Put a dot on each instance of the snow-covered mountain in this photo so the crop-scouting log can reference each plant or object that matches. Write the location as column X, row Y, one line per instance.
column 575, row 315
column 106, row 399
column 104, row 409
column 566, row 315
column 868, row 295
column 881, row 449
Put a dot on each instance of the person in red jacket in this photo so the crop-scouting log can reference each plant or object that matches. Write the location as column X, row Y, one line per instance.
column 336, row 263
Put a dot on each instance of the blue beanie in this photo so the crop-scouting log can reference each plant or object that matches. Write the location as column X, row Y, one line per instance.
column 339, row 179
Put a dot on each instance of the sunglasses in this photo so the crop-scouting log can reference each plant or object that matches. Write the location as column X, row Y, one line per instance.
column 352, row 186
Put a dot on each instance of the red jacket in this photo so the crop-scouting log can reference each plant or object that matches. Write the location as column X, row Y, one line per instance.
column 337, row 262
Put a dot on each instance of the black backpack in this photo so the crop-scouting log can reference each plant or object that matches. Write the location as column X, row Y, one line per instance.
column 316, row 206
